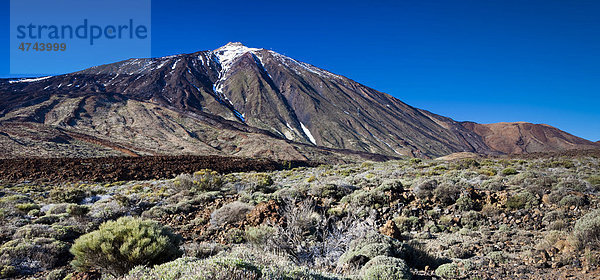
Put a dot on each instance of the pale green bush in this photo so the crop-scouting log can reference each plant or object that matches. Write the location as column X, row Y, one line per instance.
column 230, row 213
column 200, row 181
column 586, row 232
column 384, row 267
column 370, row 246
column 118, row 246
column 448, row 271
column 27, row 256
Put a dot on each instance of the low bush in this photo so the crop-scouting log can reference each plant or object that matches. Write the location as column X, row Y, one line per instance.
column 405, row 224
column 58, row 232
column 28, row 256
column 231, row 213
column 521, row 201
column 77, row 210
column 488, row 172
column 260, row 236
column 465, row 203
column 509, row 171
column 447, row 194
column 448, row 271
column 367, row 248
column 200, row 181
column 67, row 195
column 384, row 267
column 235, row 236
column 260, row 182
column 329, row 191
column 26, row 207
column 191, row 268
column 203, row 250
column 424, row 189
column 118, row 246
column 586, row 233
column 455, row 270
column 225, row 267
column 572, row 200
column 391, row 186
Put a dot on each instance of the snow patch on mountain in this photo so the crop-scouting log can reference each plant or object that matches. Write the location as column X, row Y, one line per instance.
column 29, row 80
column 307, row 132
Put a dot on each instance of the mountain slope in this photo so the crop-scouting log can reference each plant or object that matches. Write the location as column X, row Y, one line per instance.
column 108, row 125
column 233, row 100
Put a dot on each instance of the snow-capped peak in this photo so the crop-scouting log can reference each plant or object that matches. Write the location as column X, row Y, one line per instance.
column 230, row 53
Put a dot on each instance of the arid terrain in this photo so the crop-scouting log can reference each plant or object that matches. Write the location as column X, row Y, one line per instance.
column 243, row 163
column 532, row 217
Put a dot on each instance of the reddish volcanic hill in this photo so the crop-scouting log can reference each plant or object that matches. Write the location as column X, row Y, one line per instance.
column 522, row 137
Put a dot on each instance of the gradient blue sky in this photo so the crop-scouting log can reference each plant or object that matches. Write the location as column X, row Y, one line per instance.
column 483, row 61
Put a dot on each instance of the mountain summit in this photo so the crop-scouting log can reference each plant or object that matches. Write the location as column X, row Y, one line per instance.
column 216, row 101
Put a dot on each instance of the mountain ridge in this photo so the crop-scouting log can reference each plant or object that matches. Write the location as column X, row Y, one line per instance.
column 252, row 91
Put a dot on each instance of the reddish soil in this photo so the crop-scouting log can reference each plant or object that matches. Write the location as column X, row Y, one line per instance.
column 129, row 168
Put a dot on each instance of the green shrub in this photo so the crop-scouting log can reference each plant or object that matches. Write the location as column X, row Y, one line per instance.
column 203, row 250
column 465, row 203
column 235, row 236
column 466, row 163
column 77, row 210
column 509, row 171
column 48, row 219
column 67, row 195
column 586, row 232
column 447, row 194
column 565, row 163
column 57, row 274
column 262, row 182
column 384, row 267
column 245, row 265
column 488, row 172
column 407, row 223
column 369, row 247
column 26, row 207
column 471, row 219
column 118, row 246
column 391, row 185
column 522, row 200
column 230, row 213
column 423, row 189
column 329, row 191
column 191, row 268
column 31, row 256
column 260, row 236
column 8, row 271
column 448, row 271
column 415, row 160
column 58, row 232
column 200, row 181
column 497, row 256
column 572, row 200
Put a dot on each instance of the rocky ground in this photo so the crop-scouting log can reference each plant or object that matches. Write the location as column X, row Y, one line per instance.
column 129, row 168
column 533, row 218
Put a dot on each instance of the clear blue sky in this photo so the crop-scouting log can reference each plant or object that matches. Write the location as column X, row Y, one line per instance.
column 483, row 61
